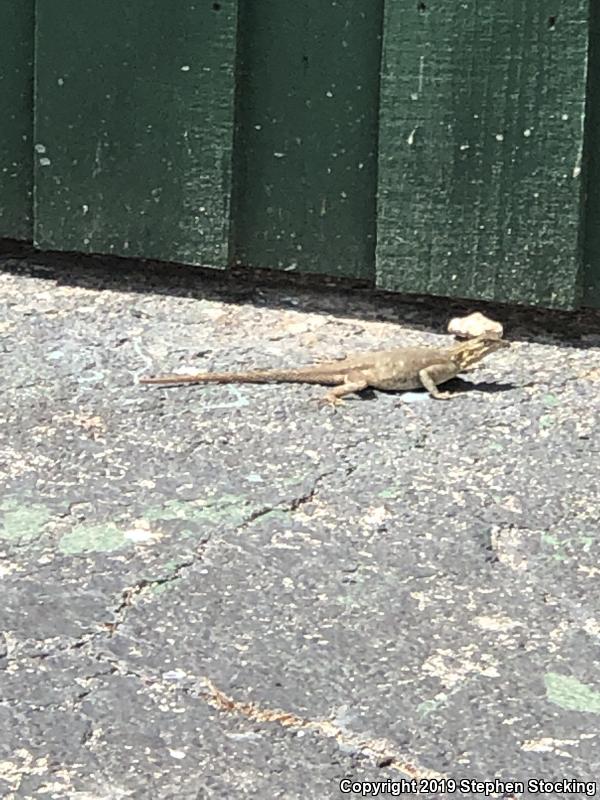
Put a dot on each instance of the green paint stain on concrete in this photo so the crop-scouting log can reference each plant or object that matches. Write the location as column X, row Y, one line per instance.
column 168, row 570
column 496, row 447
column 275, row 515
column 551, row 400
column 22, row 523
column 552, row 541
column 546, row 420
column 569, row 548
column 188, row 534
column 390, row 493
column 162, row 588
column 233, row 509
column 429, row 706
column 93, row 539
column 571, row 694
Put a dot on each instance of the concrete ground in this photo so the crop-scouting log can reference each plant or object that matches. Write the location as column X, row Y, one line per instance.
column 231, row 592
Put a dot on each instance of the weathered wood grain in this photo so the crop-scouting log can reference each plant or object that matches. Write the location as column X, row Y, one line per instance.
column 16, row 124
column 480, row 159
column 134, row 127
column 306, row 149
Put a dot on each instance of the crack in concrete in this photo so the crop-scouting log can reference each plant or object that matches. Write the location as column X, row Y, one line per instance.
column 382, row 751
column 128, row 594
column 293, row 504
column 142, row 585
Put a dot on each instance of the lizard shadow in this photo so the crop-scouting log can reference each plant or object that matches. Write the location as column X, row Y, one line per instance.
column 457, row 386
column 460, row 386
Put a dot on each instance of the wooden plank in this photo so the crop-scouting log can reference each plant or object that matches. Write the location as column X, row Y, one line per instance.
column 16, row 127
column 134, row 127
column 591, row 242
column 307, row 139
column 482, row 109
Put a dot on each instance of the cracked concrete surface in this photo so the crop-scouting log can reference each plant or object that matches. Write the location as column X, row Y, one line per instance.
column 227, row 591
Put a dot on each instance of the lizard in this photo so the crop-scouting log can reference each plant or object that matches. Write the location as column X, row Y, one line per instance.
column 396, row 369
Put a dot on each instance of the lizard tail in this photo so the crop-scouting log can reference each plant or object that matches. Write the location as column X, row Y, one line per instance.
column 302, row 375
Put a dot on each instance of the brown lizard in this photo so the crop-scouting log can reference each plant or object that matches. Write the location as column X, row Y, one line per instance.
column 396, row 369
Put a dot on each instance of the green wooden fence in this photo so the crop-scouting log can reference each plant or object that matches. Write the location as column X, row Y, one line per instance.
column 444, row 147
column 134, row 127
column 16, row 119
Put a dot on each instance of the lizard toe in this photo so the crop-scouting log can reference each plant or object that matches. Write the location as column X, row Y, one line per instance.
column 330, row 400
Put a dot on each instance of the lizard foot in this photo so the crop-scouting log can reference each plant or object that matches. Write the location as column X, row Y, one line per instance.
column 330, row 400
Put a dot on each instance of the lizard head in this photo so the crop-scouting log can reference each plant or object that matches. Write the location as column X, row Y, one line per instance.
column 472, row 350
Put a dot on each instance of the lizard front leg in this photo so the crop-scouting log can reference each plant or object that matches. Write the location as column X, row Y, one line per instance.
column 354, row 382
column 428, row 377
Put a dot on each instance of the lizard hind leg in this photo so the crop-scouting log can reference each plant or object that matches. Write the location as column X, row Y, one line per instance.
column 354, row 382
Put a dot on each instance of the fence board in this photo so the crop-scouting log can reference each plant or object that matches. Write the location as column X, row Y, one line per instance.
column 134, row 127
column 16, row 125
column 480, row 149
